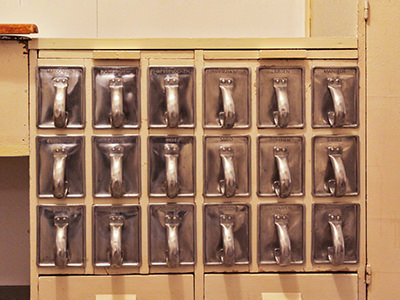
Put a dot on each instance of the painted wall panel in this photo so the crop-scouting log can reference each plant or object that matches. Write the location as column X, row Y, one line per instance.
column 383, row 168
column 192, row 18
column 158, row 18
column 56, row 18
column 334, row 18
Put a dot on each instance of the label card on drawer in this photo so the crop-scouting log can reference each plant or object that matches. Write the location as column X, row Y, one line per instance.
column 278, row 296
column 117, row 297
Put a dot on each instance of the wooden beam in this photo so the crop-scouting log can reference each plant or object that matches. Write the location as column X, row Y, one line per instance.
column 18, row 28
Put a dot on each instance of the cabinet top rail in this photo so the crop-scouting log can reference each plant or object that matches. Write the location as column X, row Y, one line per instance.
column 193, row 43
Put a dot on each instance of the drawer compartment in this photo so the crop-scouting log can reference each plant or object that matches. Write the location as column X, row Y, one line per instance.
column 144, row 287
column 260, row 286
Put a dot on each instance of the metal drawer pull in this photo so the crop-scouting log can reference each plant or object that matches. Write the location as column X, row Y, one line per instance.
column 336, row 253
column 336, row 118
column 61, row 223
column 227, row 117
column 227, row 223
column 171, row 84
column 281, row 116
column 116, row 224
column 171, row 154
column 59, row 106
column 283, row 254
column 116, row 156
column 228, row 184
column 172, row 223
column 282, row 187
column 59, row 163
column 337, row 186
column 117, row 103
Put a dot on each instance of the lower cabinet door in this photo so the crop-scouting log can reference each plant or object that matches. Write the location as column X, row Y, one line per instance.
column 281, row 286
column 129, row 287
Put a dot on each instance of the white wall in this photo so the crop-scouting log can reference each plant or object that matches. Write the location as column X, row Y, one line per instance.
column 158, row 18
column 334, row 17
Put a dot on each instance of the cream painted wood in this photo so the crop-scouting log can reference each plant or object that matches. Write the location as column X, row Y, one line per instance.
column 199, row 267
column 361, row 33
column 14, row 130
column 195, row 43
column 310, row 286
column 383, row 48
column 165, row 287
column 34, row 279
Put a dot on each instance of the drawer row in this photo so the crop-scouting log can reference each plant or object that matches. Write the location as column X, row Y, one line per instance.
column 116, row 166
column 171, row 97
column 116, row 235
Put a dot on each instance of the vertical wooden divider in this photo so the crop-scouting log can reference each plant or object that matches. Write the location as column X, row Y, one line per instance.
column 307, row 132
column 253, row 200
column 363, row 104
column 143, row 132
column 88, row 133
column 34, row 282
column 199, row 267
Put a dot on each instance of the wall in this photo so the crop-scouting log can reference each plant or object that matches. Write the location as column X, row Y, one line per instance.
column 14, row 221
column 383, row 65
column 159, row 18
column 325, row 15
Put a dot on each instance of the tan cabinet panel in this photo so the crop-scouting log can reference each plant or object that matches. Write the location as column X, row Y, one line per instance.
column 13, row 99
column 383, row 168
column 253, row 286
column 154, row 287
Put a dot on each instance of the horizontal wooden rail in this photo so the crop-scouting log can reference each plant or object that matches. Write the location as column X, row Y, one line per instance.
column 18, row 28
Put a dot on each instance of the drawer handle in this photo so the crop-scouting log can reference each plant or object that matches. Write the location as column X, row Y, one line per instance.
column 336, row 118
column 281, row 116
column 282, row 187
column 171, row 154
column 59, row 164
column 171, row 84
column 284, row 252
column 337, row 186
column 116, row 224
column 116, row 156
column 336, row 252
column 228, row 184
column 61, row 223
column 117, row 103
column 59, row 107
column 227, row 117
column 227, row 223
column 172, row 223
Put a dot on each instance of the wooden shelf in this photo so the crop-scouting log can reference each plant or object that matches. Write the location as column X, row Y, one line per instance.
column 18, row 28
